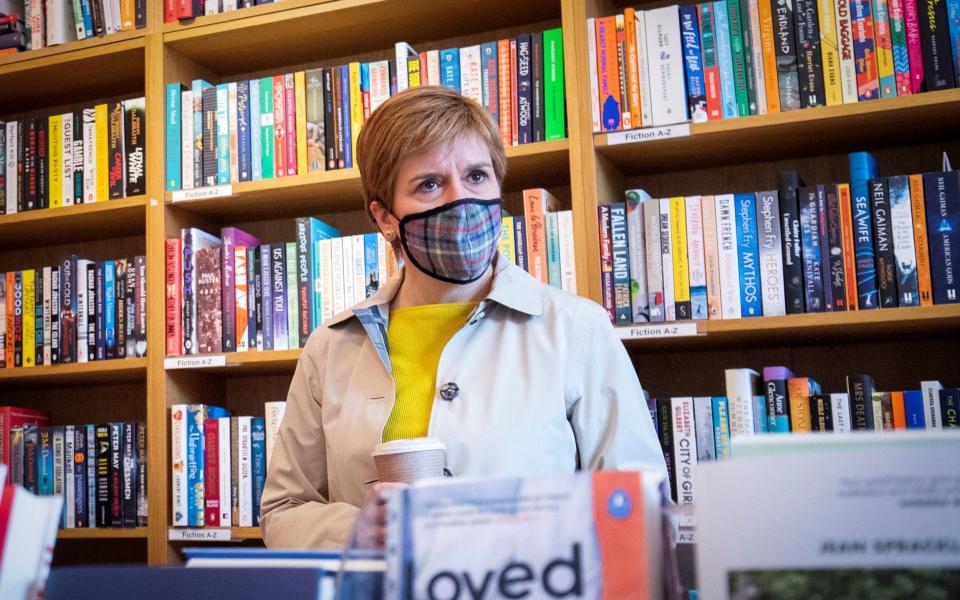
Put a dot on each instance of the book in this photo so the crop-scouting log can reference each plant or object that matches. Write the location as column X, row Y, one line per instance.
column 653, row 267
column 919, row 219
column 751, row 303
column 710, row 58
column 830, row 51
column 134, row 145
column 231, row 238
column 942, row 202
column 729, row 256
column 864, row 50
column 836, row 228
column 636, row 242
column 812, row 259
column 606, row 261
column 740, row 387
column 863, row 168
column 693, row 64
column 860, row 389
column 696, row 258
column 787, row 195
column 935, row 42
column 771, row 253
column 708, row 208
column 809, row 57
column 883, row 244
column 666, row 258
column 607, row 73
column 678, row 254
column 778, row 407
column 620, row 259
column 901, row 226
column 728, row 93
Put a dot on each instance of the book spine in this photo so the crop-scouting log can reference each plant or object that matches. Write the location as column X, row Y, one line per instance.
column 300, row 99
column 778, row 407
column 834, row 247
column 211, row 484
column 643, row 69
column 98, row 347
column 935, row 42
column 79, row 460
column 653, row 268
column 812, row 260
column 606, row 261
column 504, row 68
column 210, row 148
column 911, row 25
column 134, row 146
column 110, row 309
column 620, row 256
column 666, row 257
column 55, row 129
column 822, row 231
column 678, row 252
column 536, row 83
column 76, row 177
column 293, row 304
column 179, row 414
column 665, row 58
column 266, row 302
column 665, row 431
column 244, row 495
column 883, row 44
column 728, row 90
column 553, row 254
column 12, row 160
column 228, row 238
column 305, row 287
column 626, row 121
column 864, row 50
column 919, row 220
column 103, row 507
column 862, row 170
column 254, row 331
column 29, row 327
column 953, row 19
column 608, row 81
column 860, row 389
column 786, row 53
column 809, row 62
column 942, row 200
column 739, row 57
column 740, row 385
column 901, row 54
column 130, row 465
column 255, row 130
column 117, row 164
column 62, row 486
column 883, row 243
column 223, row 152
column 244, row 166
column 524, row 89
column 901, row 227
column 729, row 256
column 174, row 297
column 693, row 64
column 224, row 471
column 291, row 123
column 279, row 153
column 45, row 349
column 711, row 67
column 267, row 159
column 711, row 250
column 748, row 255
column 950, row 407
column 258, row 466
column 849, row 252
column 768, row 42
column 799, row 390
column 696, row 258
column 684, row 448
column 830, row 53
column 277, row 298
column 756, row 54
column 771, row 253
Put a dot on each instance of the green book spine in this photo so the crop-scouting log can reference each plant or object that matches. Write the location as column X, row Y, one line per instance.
column 748, row 43
column 739, row 59
column 554, row 100
column 293, row 304
column 266, row 124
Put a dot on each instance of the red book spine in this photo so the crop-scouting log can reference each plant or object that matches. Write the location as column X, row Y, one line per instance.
column 424, row 75
column 503, row 72
column 211, row 473
column 174, row 297
column 291, row 122
column 279, row 127
column 185, row 9
column 170, row 11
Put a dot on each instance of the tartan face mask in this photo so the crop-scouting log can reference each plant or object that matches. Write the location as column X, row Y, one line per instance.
column 454, row 242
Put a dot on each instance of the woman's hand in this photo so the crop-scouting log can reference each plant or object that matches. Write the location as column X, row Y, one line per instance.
column 371, row 526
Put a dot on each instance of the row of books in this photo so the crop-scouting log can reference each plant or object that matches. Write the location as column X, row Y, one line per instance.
column 100, row 470
column 189, row 9
column 90, row 155
column 877, row 242
column 693, row 429
column 735, row 58
column 36, row 24
column 78, row 311
column 219, row 464
column 297, row 123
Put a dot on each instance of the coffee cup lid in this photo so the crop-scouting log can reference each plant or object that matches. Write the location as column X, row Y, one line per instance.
column 406, row 446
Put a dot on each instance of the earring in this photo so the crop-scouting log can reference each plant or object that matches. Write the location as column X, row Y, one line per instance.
column 389, row 235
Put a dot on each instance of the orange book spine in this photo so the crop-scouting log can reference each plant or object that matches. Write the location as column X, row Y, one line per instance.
column 608, row 73
column 899, row 410
column 11, row 282
column 536, row 203
column 849, row 253
column 918, row 209
column 127, row 15
column 424, row 76
column 767, row 44
column 279, row 127
column 633, row 68
column 514, row 115
column 798, row 394
column 503, row 91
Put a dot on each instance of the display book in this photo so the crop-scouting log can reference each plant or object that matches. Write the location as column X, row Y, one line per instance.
column 219, row 464
column 88, row 155
column 75, row 312
column 875, row 242
column 297, row 123
column 36, row 24
column 700, row 429
column 260, row 297
column 736, row 58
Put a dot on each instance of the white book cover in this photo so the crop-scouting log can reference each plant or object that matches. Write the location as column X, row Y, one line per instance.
column 654, row 265
column 381, row 259
column 47, row 315
column 708, row 209
column 771, row 254
column 696, row 258
column 594, row 82
column 904, row 248
column 69, row 473
column 229, row 5
column 346, row 274
column 433, row 67
column 931, row 404
column 727, row 248
column 684, row 448
column 325, row 248
column 568, row 258
column 403, row 52
column 114, row 24
column 379, row 83
column 186, row 140
column 233, row 130
column 666, row 260
column 470, row 84
column 840, row 405
column 67, row 159
column 757, row 50
column 82, row 310
column 178, row 463
column 225, row 471
column 665, row 61
column 241, row 292
column 878, row 411
column 848, row 63
column 245, row 485
column 643, row 68
column 89, row 156
column 211, row 7
column 273, row 417
column 11, row 166
column 637, row 244
column 740, row 386
column 32, row 532
column 358, row 269
column 33, row 19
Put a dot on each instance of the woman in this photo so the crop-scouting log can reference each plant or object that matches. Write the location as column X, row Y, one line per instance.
column 515, row 377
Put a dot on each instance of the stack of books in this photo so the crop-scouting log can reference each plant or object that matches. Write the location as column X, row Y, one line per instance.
column 735, row 58
column 90, row 155
column 75, row 312
column 876, row 242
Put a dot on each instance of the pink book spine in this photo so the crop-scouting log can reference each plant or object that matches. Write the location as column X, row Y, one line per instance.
column 911, row 20
column 291, row 110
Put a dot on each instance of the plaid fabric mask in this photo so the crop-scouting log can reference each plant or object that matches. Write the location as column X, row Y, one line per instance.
column 454, row 242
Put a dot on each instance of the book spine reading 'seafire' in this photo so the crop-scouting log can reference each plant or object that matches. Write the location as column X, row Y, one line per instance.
column 863, row 168
column 883, row 243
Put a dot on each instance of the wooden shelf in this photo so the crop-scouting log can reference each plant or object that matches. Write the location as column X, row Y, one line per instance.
column 246, row 533
column 332, row 191
column 305, row 32
column 890, row 324
column 824, row 130
column 101, row 220
column 245, row 363
column 76, row 71
column 121, row 370
column 102, row 533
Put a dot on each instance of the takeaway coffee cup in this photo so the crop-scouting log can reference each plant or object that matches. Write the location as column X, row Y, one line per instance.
column 406, row 461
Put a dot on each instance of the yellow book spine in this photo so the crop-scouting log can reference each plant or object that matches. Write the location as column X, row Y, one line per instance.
column 356, row 107
column 102, row 125
column 55, row 141
column 768, row 44
column 830, row 53
column 678, row 241
column 300, row 89
column 29, row 318
column 506, row 243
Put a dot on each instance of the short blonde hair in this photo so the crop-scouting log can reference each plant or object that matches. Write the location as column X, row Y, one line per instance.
column 415, row 121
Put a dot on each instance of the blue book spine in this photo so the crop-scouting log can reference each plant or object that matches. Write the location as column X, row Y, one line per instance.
column 693, row 63
column 524, row 89
column 824, row 247
column 87, row 18
column 953, row 18
column 913, row 408
column 316, row 277
column 721, row 426
column 259, row 461
column 760, row 424
column 864, row 49
column 942, row 199
column 196, row 413
column 371, row 265
column 110, row 308
column 243, row 131
column 751, row 303
column 553, row 250
column 728, row 90
column 345, row 103
column 266, row 284
column 45, row 461
column 520, row 244
column 365, row 78
column 174, row 146
column 450, row 68
column 223, row 134
column 621, row 263
column 278, row 296
column 91, row 475
column 810, row 242
column 256, row 132
column 863, row 168
column 488, row 67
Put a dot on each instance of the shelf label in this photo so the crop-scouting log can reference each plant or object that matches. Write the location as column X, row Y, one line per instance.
column 648, row 134
column 664, row 330
column 178, row 534
column 203, row 193
column 195, row 362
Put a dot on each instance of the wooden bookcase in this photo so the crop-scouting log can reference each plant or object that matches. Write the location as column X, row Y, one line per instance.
column 898, row 346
